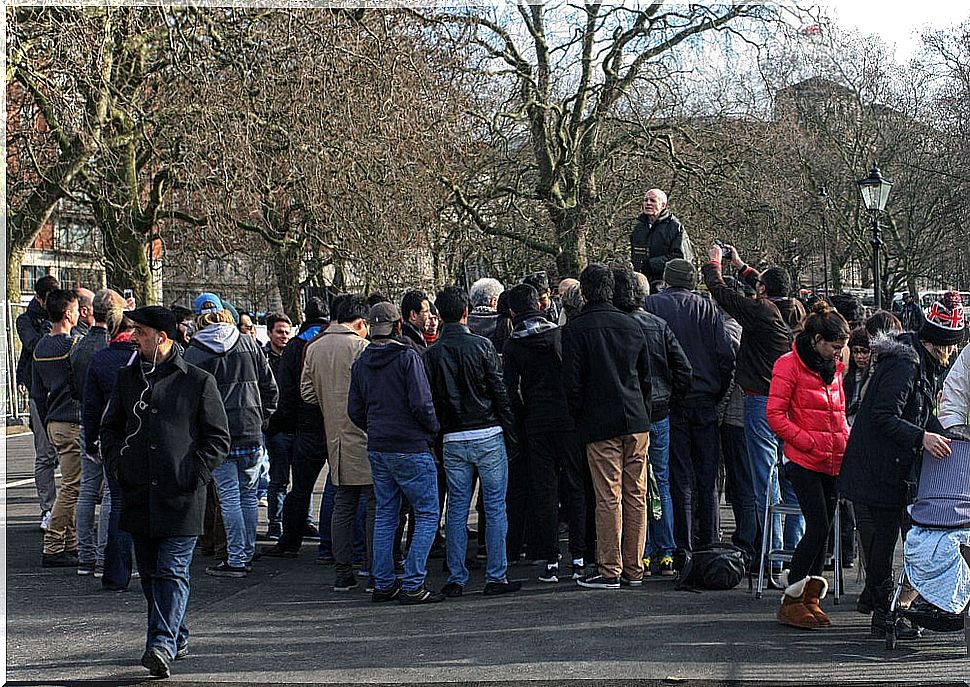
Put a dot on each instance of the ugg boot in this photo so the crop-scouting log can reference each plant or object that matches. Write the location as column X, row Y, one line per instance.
column 815, row 589
column 793, row 610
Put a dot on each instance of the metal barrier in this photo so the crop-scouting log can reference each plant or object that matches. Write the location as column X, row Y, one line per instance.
column 15, row 404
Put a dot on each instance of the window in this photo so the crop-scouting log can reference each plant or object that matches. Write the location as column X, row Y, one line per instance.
column 29, row 274
column 78, row 277
column 74, row 236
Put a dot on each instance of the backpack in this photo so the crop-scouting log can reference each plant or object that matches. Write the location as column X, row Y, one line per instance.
column 721, row 566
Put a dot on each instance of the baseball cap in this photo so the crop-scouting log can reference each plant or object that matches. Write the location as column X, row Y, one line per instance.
column 382, row 318
column 207, row 303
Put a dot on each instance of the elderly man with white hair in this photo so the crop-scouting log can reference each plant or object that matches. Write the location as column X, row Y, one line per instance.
column 657, row 238
column 483, row 318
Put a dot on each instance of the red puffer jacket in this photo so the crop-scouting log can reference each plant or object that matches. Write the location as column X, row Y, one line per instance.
column 808, row 415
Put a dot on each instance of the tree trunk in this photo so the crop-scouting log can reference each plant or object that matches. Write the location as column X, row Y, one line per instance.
column 570, row 227
column 286, row 267
column 15, row 258
column 125, row 257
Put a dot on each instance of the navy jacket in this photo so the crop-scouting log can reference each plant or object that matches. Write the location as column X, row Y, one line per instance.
column 390, row 398
column 699, row 328
column 53, row 387
column 100, row 380
column 81, row 355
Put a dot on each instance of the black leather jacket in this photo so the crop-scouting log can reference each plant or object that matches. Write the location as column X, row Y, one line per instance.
column 670, row 370
column 466, row 382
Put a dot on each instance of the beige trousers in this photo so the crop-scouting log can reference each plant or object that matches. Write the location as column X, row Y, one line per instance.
column 619, row 470
column 61, row 533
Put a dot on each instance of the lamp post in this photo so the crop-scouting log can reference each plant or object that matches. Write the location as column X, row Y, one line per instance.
column 875, row 192
column 823, row 199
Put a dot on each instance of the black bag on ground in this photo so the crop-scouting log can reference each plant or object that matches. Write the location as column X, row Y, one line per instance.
column 721, row 566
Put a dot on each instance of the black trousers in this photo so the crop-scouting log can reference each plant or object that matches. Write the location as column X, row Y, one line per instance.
column 816, row 497
column 346, row 502
column 546, row 453
column 576, row 492
column 879, row 530
column 695, row 450
column 309, row 457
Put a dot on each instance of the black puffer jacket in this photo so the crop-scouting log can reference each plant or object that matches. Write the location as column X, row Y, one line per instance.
column 164, row 455
column 652, row 246
column 606, row 373
column 532, row 360
column 293, row 414
column 466, row 382
column 670, row 372
column 886, row 439
column 245, row 381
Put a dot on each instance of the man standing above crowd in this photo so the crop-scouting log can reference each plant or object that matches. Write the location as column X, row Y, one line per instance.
column 163, row 435
column 327, row 367
column 32, row 325
column 694, row 439
column 657, row 238
column 472, row 406
column 390, row 400
column 54, row 392
column 765, row 337
column 606, row 376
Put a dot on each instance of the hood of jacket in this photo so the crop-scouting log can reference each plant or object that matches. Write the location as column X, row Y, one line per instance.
column 530, row 326
column 217, row 338
column 886, row 345
column 36, row 311
column 383, row 352
column 311, row 328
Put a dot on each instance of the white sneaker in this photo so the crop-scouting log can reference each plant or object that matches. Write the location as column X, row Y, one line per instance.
column 45, row 520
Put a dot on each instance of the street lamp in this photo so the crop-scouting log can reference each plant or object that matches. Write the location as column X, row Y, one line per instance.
column 875, row 192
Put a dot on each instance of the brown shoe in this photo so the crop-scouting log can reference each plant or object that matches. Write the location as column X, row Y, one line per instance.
column 793, row 612
column 815, row 589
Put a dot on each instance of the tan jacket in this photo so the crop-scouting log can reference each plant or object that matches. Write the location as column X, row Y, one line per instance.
column 326, row 382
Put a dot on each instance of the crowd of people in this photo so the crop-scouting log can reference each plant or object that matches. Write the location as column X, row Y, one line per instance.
column 572, row 411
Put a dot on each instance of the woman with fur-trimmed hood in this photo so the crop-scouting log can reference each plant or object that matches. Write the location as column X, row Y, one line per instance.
column 894, row 426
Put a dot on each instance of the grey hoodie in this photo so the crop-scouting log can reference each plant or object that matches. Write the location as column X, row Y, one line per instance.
column 245, row 381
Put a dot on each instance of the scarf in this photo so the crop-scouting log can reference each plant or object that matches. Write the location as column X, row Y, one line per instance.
column 814, row 361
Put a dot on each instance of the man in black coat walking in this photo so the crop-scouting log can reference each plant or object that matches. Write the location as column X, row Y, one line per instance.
column 164, row 432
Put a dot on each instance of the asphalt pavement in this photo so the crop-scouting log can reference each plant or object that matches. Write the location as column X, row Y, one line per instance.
column 283, row 624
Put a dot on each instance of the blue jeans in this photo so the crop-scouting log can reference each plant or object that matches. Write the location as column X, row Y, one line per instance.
column 461, row 458
column 764, row 451
column 415, row 476
column 164, row 568
column 92, row 532
column 660, row 533
column 280, row 449
column 236, row 480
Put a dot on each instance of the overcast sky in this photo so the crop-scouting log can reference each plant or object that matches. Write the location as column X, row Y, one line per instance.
column 896, row 21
